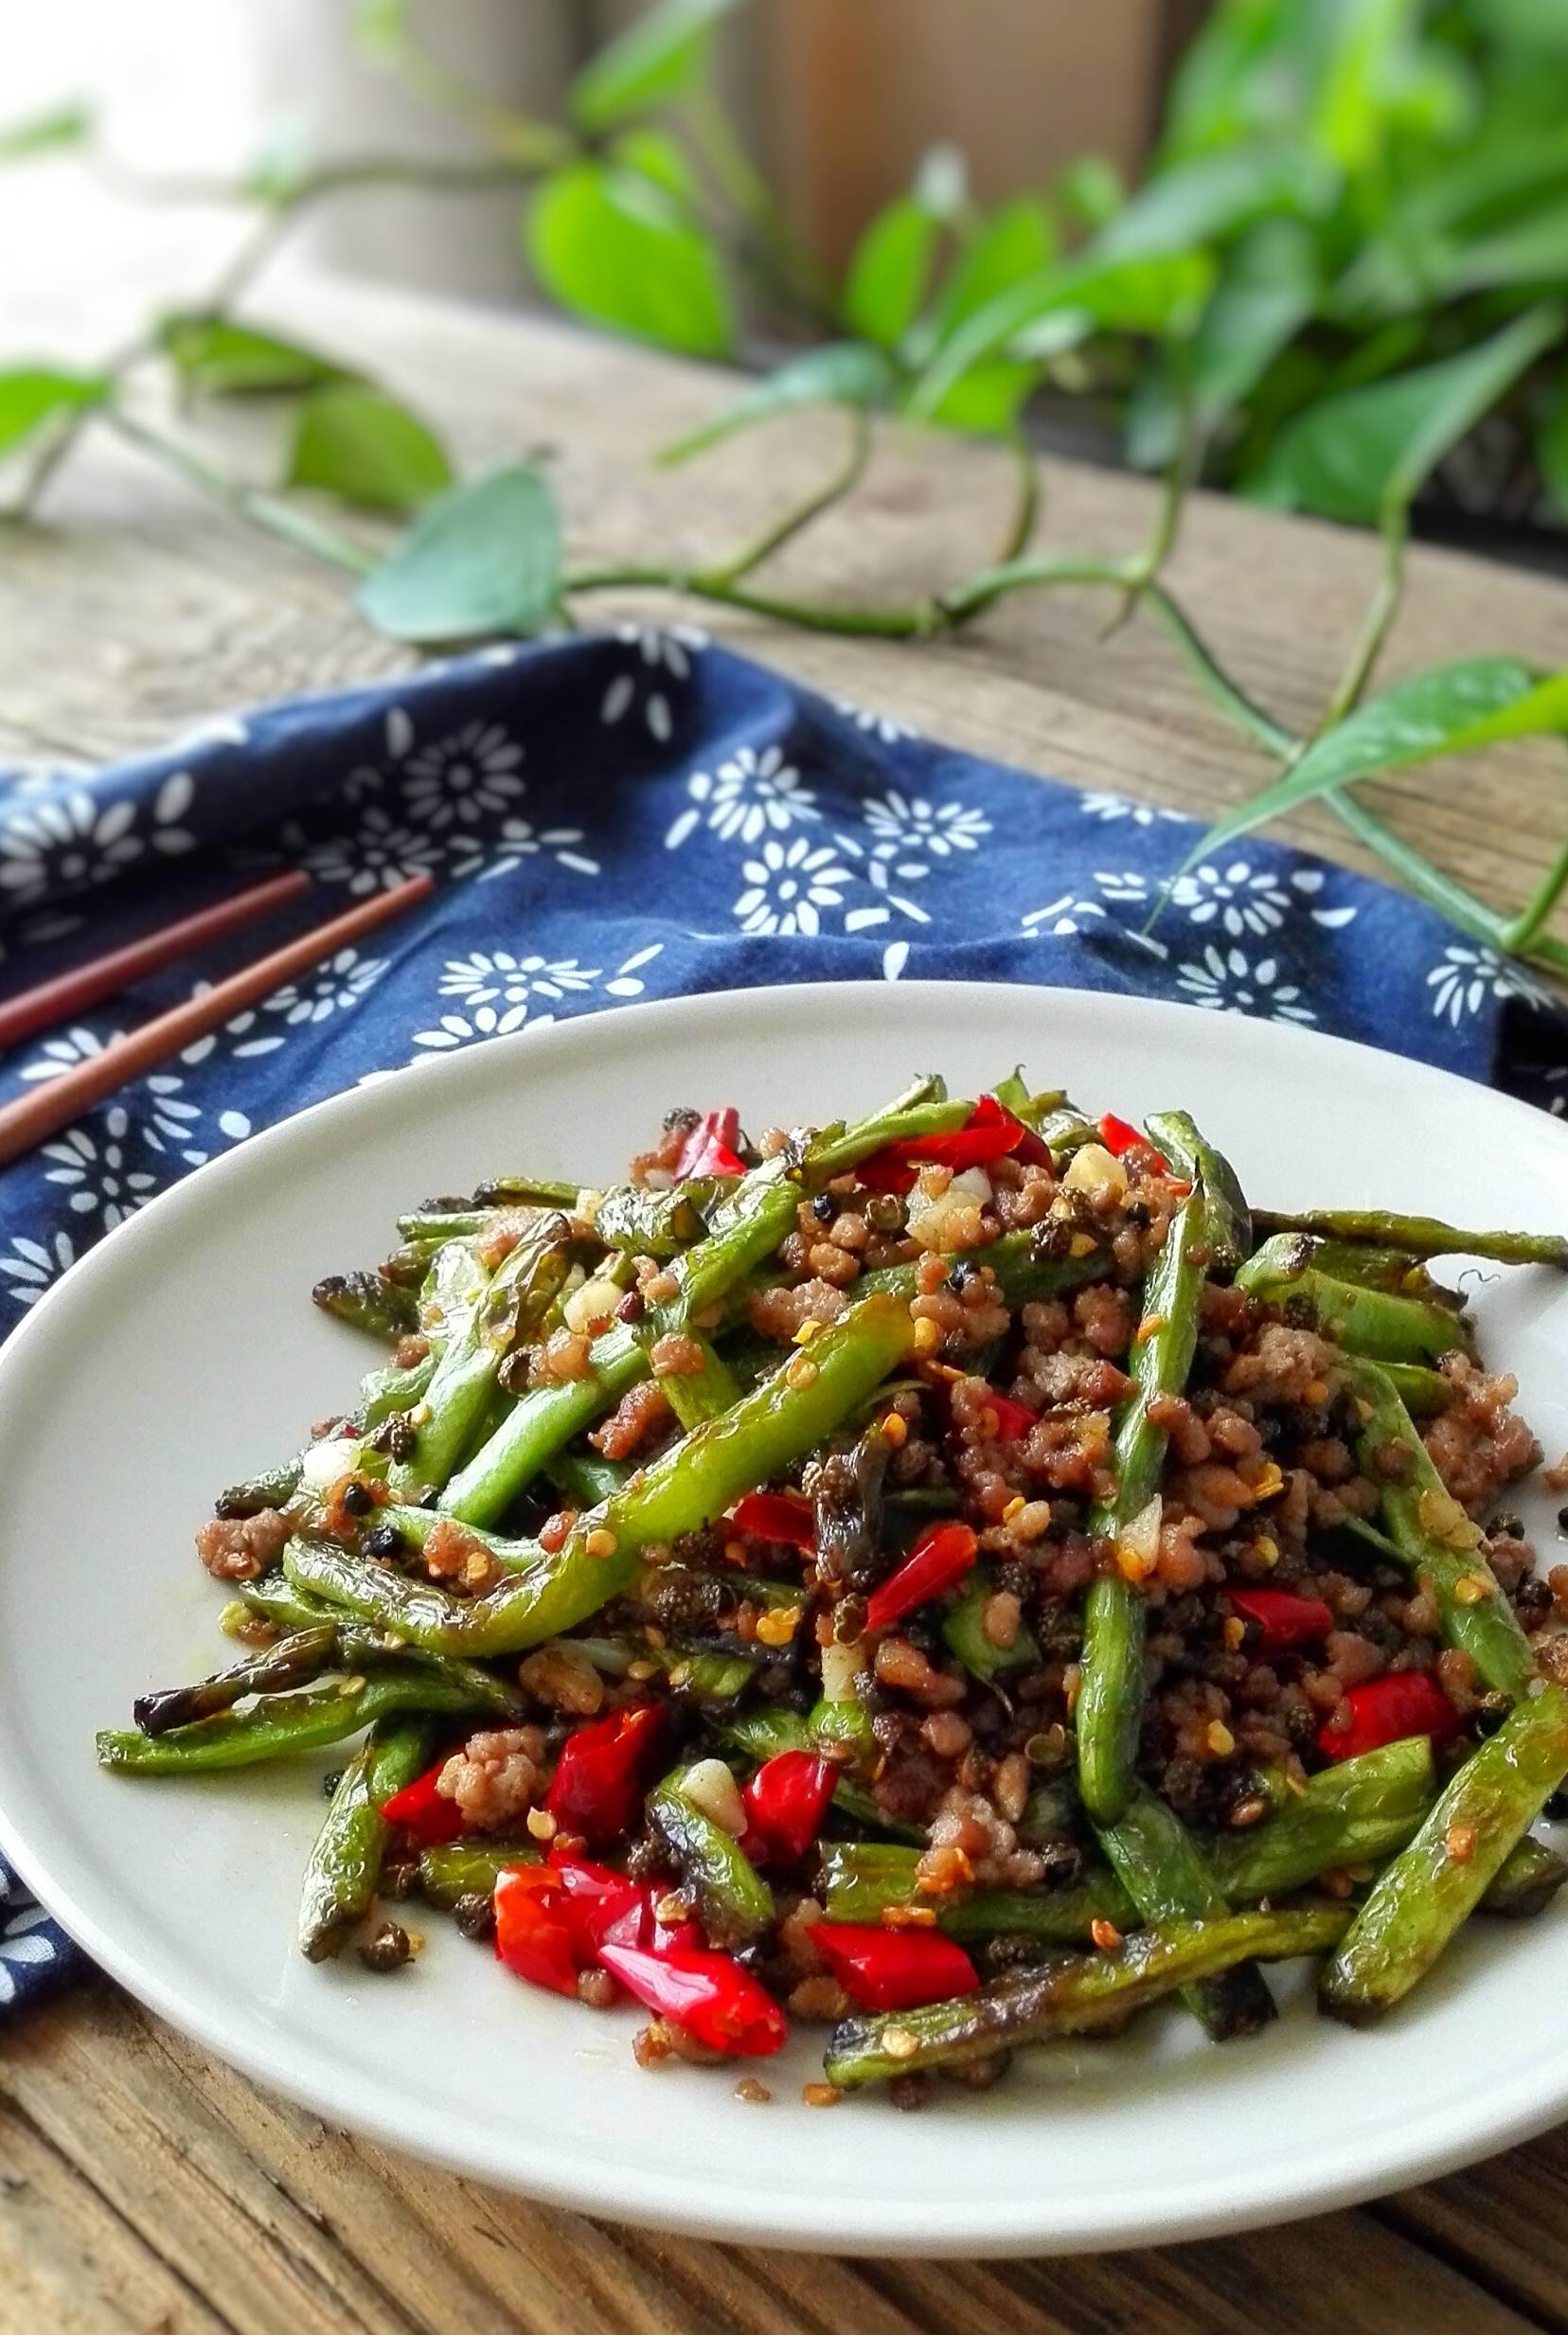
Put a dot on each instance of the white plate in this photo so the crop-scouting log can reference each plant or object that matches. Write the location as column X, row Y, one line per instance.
column 185, row 1352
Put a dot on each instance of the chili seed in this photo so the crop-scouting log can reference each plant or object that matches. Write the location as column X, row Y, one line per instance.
column 1105, row 1933
column 821, row 2095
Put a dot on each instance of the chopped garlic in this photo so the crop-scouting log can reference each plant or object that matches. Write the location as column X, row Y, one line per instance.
column 713, row 1790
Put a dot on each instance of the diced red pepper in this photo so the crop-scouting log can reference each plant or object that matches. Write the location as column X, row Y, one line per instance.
column 786, row 1801
column 421, row 1811
column 1282, row 1619
column 708, row 1994
column 597, row 1790
column 598, row 1903
column 1120, row 1135
column 990, row 1132
column 894, row 1969
column 533, row 1935
column 1383, row 1710
column 938, row 1560
column 1013, row 1419
column 776, row 1516
column 709, row 1149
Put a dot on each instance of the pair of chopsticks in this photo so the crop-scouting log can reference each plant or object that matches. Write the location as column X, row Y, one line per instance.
column 32, row 1118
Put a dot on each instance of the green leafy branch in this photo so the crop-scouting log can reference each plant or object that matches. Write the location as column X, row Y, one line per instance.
column 1192, row 294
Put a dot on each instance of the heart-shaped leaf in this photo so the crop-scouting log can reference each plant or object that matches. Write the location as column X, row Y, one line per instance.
column 615, row 247
column 482, row 561
column 1189, row 203
column 364, row 445
column 655, row 59
column 33, row 394
column 1364, row 455
column 1267, row 288
column 840, row 373
column 1452, row 709
column 223, row 359
column 1017, row 242
column 889, row 270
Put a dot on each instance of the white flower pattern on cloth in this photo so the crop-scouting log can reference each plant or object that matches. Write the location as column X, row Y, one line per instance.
column 501, row 993
column 95, row 1172
column 1061, row 916
column 516, row 841
column 23, row 1945
column 73, row 842
column 1240, row 898
column 891, row 731
column 898, row 822
column 745, row 798
column 882, row 874
column 161, row 1113
column 36, row 1265
column 345, row 981
column 1097, row 805
column 381, row 854
column 787, row 885
column 468, row 776
column 667, row 649
column 1467, row 973
column 1229, row 980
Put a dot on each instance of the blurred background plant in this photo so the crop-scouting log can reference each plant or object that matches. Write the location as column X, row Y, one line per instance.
column 1338, row 286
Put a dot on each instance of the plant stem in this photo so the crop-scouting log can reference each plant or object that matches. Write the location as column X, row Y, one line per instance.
column 1521, row 931
column 263, row 511
column 781, row 531
column 918, row 622
column 1380, row 612
column 1027, row 509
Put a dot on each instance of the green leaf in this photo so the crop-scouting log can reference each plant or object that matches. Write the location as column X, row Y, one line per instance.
column 1092, row 191
column 1044, row 315
column 40, row 133
column 1551, row 446
column 1267, row 290
column 986, row 401
column 1362, row 455
column 1452, row 709
column 220, row 359
column 655, row 154
column 31, row 396
column 840, row 373
column 655, row 59
column 888, row 272
column 361, row 444
column 1019, row 240
column 1192, row 203
column 1348, row 118
column 483, row 558
column 1525, row 23
column 613, row 247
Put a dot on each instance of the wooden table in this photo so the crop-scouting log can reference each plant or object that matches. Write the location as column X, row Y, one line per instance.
column 143, row 2186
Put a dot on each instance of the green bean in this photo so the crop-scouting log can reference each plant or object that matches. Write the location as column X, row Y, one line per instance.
column 363, row 1646
column 963, row 1629
column 468, row 1868
column 682, row 1489
column 1358, row 1812
column 764, row 1734
column 654, row 1223
column 272, row 1489
column 1431, row 1535
column 696, row 1395
column 445, row 1223
column 1418, row 1235
column 290, row 1662
column 281, row 1726
column 410, row 1261
column 1224, row 1218
column 1162, row 1869
column 733, row 1903
column 1064, row 1130
column 345, row 1866
column 1394, row 1270
column 1426, row 1394
column 1109, row 1702
column 369, row 1301
column 395, row 1389
column 1072, row 1994
column 1527, row 1880
column 586, row 1478
column 861, row 1879
column 1420, row 1900
column 1374, row 1323
column 528, row 1192
column 841, row 1722
column 747, row 1227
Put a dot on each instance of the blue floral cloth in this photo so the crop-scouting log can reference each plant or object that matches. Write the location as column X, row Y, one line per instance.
column 629, row 815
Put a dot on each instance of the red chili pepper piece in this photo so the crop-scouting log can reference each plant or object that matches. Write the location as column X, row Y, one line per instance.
column 1283, row 1620
column 708, row 1994
column 532, row 1936
column 786, row 1801
column 709, row 1149
column 597, row 1786
column 1385, row 1709
column 1013, row 1419
column 990, row 1132
column 420, row 1810
column 776, row 1516
column 939, row 1558
column 598, row 1903
column 1120, row 1135
column 894, row 1969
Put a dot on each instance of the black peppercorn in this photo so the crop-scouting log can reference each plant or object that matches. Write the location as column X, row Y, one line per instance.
column 824, row 1207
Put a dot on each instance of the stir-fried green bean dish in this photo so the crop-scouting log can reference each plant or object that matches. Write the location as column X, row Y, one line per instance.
column 958, row 1577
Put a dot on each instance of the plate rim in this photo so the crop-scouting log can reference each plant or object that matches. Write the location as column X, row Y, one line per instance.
column 1287, row 2190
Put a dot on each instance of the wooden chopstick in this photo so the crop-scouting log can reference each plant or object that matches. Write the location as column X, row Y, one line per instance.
column 50, row 1003
column 32, row 1118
